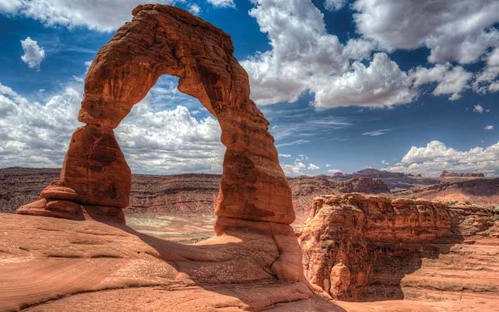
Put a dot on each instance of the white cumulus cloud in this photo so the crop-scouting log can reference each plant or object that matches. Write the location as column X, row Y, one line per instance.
column 222, row 3
column 96, row 15
column 294, row 169
column 194, row 9
column 450, row 79
column 453, row 30
column 301, row 48
column 486, row 81
column 436, row 156
column 10, row 6
column 359, row 48
column 478, row 108
column 380, row 84
column 304, row 57
column 334, row 5
column 313, row 167
column 300, row 166
column 33, row 53
column 34, row 134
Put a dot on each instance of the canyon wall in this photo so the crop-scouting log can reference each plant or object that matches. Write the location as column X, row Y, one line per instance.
column 367, row 248
column 183, row 194
column 448, row 174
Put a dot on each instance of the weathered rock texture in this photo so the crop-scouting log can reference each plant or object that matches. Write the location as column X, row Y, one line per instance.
column 165, row 40
column 184, row 194
column 49, row 264
column 370, row 248
column 306, row 188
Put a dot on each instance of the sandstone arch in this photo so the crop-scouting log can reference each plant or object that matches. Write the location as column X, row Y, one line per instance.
column 165, row 40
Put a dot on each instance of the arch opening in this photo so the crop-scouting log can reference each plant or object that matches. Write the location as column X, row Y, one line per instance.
column 170, row 133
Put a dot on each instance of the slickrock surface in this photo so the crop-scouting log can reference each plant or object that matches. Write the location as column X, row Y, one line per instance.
column 50, row 264
column 368, row 248
column 166, row 40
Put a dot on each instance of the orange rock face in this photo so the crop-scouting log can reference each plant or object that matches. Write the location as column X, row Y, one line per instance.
column 165, row 40
column 65, row 265
column 366, row 247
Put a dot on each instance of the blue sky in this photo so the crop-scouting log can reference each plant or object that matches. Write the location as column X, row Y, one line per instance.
column 402, row 85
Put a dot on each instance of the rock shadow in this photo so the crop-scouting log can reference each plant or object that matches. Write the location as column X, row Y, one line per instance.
column 238, row 264
column 393, row 262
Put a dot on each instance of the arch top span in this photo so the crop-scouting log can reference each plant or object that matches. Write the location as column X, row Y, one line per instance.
column 166, row 40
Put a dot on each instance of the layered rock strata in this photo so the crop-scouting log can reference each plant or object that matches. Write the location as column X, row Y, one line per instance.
column 448, row 174
column 166, row 40
column 366, row 247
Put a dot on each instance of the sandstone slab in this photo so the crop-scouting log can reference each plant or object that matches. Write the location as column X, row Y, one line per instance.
column 51, row 264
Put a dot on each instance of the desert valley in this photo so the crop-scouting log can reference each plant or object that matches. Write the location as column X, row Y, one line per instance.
column 255, row 216
column 409, row 242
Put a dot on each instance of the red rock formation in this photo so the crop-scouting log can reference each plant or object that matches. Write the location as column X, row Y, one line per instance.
column 51, row 264
column 363, row 185
column 360, row 247
column 165, row 40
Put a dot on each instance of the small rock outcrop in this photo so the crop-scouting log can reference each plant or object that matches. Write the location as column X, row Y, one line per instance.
column 166, row 40
column 360, row 247
column 363, row 185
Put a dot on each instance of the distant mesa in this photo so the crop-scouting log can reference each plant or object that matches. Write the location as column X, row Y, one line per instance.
column 448, row 174
column 196, row 194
